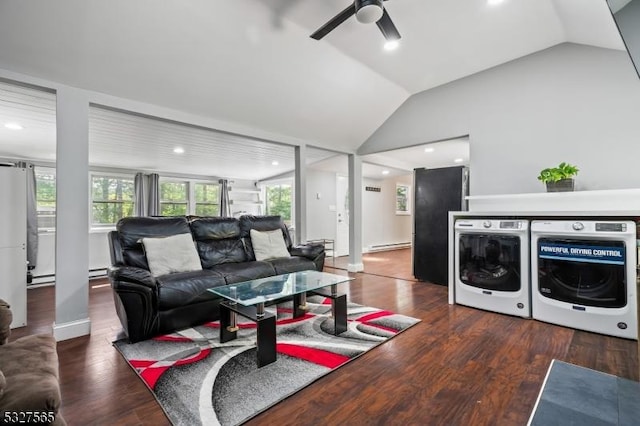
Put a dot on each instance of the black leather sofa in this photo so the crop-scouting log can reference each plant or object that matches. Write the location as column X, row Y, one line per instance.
column 148, row 306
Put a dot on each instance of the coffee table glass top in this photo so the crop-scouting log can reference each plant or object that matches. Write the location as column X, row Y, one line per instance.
column 249, row 293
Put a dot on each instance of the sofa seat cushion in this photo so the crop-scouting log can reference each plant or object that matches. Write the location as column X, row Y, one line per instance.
column 30, row 367
column 245, row 271
column 292, row 264
column 185, row 288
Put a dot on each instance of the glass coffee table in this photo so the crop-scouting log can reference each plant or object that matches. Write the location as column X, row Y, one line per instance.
column 249, row 297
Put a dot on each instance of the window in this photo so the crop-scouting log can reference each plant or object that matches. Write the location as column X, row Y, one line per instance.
column 111, row 199
column 46, row 198
column 279, row 201
column 174, row 198
column 207, row 196
column 402, row 199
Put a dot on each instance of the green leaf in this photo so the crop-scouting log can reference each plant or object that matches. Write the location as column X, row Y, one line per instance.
column 554, row 174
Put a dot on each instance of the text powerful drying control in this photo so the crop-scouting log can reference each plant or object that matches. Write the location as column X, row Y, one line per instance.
column 578, row 226
column 486, row 224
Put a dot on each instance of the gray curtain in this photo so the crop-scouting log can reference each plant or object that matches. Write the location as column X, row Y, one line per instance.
column 153, row 208
column 225, row 207
column 140, row 194
column 32, row 214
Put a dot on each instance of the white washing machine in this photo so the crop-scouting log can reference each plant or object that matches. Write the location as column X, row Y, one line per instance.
column 492, row 265
column 583, row 275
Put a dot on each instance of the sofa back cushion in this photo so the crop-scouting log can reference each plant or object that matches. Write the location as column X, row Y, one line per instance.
column 218, row 240
column 261, row 223
column 131, row 231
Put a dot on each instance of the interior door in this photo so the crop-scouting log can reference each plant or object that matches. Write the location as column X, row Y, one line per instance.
column 342, row 215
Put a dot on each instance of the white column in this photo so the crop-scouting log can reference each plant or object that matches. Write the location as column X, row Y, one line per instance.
column 72, row 214
column 355, row 214
column 301, row 194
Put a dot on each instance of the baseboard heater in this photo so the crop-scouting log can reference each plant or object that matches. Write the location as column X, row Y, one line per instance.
column 392, row 246
column 38, row 280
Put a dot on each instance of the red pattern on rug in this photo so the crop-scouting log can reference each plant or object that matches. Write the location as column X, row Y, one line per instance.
column 317, row 356
column 151, row 374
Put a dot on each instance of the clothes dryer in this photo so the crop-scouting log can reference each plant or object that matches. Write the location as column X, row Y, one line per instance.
column 583, row 275
column 492, row 265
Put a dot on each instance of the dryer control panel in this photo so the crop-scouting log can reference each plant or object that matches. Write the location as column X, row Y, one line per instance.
column 611, row 227
column 510, row 224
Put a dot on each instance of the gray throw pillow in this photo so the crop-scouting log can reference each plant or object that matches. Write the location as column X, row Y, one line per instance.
column 167, row 255
column 268, row 244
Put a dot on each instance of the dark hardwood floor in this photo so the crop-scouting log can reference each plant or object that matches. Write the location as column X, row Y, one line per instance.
column 459, row 366
column 390, row 263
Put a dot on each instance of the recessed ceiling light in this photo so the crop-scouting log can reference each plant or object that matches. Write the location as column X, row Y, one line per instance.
column 274, row 163
column 494, row 2
column 178, row 150
column 458, row 160
column 385, row 172
column 13, row 126
column 429, row 149
column 391, row 45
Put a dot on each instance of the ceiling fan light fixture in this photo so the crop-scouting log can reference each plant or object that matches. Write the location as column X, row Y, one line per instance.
column 13, row 126
column 368, row 11
column 391, row 45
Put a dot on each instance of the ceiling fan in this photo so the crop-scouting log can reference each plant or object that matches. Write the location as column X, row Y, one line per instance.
column 366, row 11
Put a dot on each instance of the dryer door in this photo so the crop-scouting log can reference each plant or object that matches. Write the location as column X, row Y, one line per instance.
column 584, row 272
column 490, row 262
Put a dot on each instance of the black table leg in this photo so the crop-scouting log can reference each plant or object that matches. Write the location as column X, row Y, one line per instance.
column 339, row 307
column 266, row 329
column 266, row 340
column 299, row 305
column 226, row 332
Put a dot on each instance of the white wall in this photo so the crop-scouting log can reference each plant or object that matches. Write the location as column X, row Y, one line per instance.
column 380, row 224
column 570, row 103
column 321, row 219
column 98, row 254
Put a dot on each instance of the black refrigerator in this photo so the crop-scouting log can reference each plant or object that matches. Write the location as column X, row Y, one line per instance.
column 437, row 192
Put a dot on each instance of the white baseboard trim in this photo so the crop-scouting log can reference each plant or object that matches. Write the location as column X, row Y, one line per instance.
column 71, row 329
column 355, row 267
column 386, row 247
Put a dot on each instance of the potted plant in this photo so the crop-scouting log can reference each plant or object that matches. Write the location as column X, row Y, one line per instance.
column 559, row 178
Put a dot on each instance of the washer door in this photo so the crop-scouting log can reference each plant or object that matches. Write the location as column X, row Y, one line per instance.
column 584, row 272
column 490, row 262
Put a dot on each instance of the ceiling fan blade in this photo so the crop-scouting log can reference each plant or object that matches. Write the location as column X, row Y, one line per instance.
column 333, row 23
column 388, row 29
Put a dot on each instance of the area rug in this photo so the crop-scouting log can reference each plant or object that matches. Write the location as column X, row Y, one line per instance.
column 574, row 395
column 198, row 380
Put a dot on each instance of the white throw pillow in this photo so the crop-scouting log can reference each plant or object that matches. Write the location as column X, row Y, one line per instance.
column 176, row 253
column 268, row 244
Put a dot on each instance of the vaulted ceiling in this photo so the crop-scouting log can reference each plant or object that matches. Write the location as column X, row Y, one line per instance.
column 252, row 61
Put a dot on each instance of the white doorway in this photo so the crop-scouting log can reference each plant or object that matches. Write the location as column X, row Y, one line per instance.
column 342, row 215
